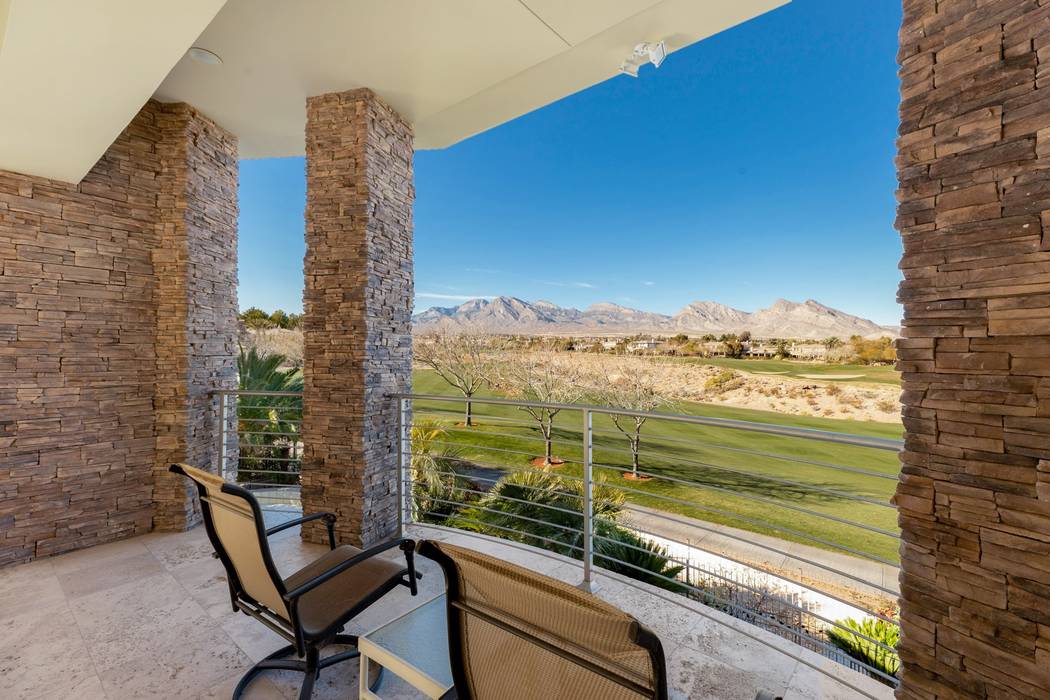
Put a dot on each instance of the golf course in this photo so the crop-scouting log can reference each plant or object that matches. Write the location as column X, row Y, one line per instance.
column 795, row 488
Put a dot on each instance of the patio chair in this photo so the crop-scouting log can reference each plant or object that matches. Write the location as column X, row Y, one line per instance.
column 518, row 635
column 308, row 608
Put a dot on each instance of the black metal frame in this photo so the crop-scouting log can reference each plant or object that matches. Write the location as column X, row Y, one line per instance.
column 305, row 646
column 644, row 638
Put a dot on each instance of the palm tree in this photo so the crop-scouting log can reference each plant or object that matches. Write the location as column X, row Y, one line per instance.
column 268, row 426
column 544, row 509
column 437, row 488
column 829, row 345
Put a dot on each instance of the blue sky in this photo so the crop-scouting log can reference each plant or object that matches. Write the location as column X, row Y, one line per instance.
column 753, row 165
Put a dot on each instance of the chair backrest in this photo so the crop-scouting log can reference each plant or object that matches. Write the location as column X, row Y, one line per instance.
column 235, row 526
column 516, row 634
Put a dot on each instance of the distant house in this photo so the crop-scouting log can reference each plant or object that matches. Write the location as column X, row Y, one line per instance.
column 610, row 344
column 642, row 345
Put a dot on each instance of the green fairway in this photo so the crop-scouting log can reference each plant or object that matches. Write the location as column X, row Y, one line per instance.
column 884, row 374
column 729, row 471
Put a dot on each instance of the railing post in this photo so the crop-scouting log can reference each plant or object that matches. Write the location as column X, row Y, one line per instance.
column 588, row 505
column 404, row 461
column 220, row 435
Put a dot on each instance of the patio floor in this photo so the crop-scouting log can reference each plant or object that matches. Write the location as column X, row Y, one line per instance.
column 150, row 617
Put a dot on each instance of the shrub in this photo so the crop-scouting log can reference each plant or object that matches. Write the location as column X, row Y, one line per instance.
column 888, row 406
column 437, row 487
column 723, row 381
column 864, row 650
column 527, row 506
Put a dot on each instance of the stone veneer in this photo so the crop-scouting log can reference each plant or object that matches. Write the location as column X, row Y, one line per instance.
column 117, row 310
column 195, row 267
column 358, row 304
column 974, row 493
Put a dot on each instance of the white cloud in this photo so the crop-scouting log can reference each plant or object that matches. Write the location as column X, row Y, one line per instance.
column 574, row 285
column 647, row 283
column 453, row 297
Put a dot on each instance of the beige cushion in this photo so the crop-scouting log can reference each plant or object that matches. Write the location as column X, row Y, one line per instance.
column 322, row 606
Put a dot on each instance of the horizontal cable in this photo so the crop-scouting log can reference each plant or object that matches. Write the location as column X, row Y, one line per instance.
column 252, row 392
column 483, row 433
column 499, row 449
column 710, row 509
column 269, row 459
column 453, row 487
column 730, row 423
column 751, row 497
column 734, row 582
column 696, row 524
column 741, row 472
column 756, row 453
column 508, row 515
column 241, row 470
column 509, row 529
column 473, row 477
column 760, row 523
column 756, row 614
column 267, row 407
column 269, row 421
column 698, row 609
column 671, row 539
column 774, row 574
column 509, row 468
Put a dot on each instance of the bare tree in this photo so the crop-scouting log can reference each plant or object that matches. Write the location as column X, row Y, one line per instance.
column 542, row 377
column 630, row 386
column 461, row 359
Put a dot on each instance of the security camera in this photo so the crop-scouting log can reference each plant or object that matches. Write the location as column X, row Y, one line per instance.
column 646, row 52
column 656, row 53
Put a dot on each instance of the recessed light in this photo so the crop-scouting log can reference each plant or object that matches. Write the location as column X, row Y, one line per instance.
column 204, row 56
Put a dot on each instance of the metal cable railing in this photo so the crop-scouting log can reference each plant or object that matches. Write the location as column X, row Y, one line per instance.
column 823, row 496
column 259, row 442
column 783, row 527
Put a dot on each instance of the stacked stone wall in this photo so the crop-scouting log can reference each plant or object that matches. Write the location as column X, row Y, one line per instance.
column 974, row 217
column 358, row 305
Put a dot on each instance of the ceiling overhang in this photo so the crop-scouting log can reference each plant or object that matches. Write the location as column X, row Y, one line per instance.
column 73, row 77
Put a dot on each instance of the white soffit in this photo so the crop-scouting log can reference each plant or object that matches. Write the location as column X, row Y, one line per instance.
column 453, row 68
column 73, row 73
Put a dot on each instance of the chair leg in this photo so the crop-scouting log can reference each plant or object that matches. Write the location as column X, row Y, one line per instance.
column 310, row 667
column 274, row 661
column 313, row 668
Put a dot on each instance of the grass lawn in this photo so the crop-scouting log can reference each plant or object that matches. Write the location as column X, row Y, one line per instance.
column 729, row 470
column 790, row 368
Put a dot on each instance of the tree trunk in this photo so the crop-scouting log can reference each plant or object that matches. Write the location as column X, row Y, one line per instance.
column 635, row 446
column 548, row 447
column 468, row 416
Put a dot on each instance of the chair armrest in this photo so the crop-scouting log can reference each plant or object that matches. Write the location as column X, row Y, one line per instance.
column 329, row 519
column 406, row 546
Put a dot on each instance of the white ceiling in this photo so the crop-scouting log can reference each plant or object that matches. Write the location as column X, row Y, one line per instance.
column 72, row 77
column 453, row 68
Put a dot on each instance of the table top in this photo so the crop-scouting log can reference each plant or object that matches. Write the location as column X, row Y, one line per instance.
column 419, row 638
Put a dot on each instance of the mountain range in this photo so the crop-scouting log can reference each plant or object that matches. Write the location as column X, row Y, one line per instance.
column 783, row 319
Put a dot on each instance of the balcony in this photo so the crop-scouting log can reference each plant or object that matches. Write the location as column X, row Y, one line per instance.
column 751, row 583
column 150, row 617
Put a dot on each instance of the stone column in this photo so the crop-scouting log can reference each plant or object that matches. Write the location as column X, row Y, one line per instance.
column 974, row 216
column 358, row 305
column 195, row 267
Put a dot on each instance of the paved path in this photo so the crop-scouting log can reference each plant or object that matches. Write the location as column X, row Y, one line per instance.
column 791, row 559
